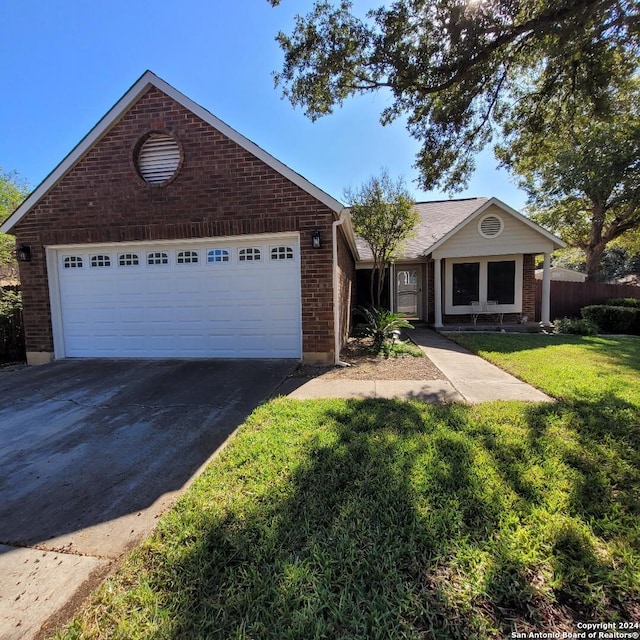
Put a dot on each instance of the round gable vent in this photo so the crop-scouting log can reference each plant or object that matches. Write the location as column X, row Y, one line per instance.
column 490, row 226
column 158, row 158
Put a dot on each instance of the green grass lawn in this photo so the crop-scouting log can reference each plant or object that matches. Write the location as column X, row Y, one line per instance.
column 385, row 519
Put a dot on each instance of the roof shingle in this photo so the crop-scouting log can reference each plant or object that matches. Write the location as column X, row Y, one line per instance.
column 437, row 218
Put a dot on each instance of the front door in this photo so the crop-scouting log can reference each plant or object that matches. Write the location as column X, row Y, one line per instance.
column 409, row 291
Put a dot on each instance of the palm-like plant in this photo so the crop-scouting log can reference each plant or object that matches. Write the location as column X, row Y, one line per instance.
column 381, row 325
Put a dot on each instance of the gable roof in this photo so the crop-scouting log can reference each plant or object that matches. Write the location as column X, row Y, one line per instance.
column 147, row 80
column 441, row 219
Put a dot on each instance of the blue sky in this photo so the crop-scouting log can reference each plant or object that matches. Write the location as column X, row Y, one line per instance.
column 64, row 64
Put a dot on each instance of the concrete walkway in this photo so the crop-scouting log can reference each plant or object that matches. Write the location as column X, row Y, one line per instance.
column 467, row 378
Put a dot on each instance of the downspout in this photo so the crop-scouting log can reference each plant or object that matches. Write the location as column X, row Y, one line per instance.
column 336, row 295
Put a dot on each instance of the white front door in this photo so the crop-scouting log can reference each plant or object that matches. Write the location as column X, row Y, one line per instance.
column 219, row 298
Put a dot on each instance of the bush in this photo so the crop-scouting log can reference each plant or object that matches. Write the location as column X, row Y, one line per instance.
column 613, row 319
column 634, row 303
column 11, row 331
column 381, row 325
column 392, row 349
column 576, row 326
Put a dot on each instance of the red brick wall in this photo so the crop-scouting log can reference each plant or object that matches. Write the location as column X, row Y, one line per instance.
column 529, row 287
column 430, row 316
column 220, row 190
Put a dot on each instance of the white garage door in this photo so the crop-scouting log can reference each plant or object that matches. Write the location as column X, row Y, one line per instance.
column 238, row 299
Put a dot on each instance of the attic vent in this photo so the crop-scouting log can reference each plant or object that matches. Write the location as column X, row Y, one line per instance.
column 158, row 158
column 490, row 226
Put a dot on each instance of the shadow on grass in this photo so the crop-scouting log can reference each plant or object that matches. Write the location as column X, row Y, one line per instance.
column 402, row 520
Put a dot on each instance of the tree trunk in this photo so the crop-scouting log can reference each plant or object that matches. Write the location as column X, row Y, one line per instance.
column 595, row 247
column 371, row 287
column 380, row 286
column 593, row 254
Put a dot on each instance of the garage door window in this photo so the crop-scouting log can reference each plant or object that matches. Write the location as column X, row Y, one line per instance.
column 250, row 254
column 282, row 253
column 73, row 262
column 157, row 257
column 128, row 260
column 187, row 257
column 218, row 255
column 100, row 261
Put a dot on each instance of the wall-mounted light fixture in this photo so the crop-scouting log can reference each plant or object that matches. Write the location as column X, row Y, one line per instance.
column 316, row 239
column 23, row 253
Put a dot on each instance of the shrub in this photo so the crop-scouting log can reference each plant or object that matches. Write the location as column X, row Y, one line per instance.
column 392, row 349
column 11, row 331
column 577, row 326
column 613, row 319
column 634, row 303
column 381, row 325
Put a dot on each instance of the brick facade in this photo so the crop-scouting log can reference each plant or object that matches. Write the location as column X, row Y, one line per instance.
column 529, row 287
column 220, row 190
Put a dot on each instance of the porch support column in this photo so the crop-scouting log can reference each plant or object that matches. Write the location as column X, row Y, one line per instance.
column 545, row 305
column 437, row 291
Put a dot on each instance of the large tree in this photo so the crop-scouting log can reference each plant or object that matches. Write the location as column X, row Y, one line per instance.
column 453, row 67
column 383, row 215
column 580, row 167
column 12, row 192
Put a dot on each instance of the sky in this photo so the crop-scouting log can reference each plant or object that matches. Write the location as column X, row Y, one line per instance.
column 64, row 64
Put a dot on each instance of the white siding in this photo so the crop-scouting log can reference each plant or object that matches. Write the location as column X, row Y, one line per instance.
column 516, row 237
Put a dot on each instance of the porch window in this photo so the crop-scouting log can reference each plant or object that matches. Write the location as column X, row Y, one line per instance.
column 501, row 280
column 496, row 279
column 466, row 283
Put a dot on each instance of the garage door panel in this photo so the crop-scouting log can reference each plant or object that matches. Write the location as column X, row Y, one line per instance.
column 202, row 309
column 131, row 315
column 217, row 283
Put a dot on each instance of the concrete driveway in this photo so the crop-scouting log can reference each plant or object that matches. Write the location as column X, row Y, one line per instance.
column 91, row 453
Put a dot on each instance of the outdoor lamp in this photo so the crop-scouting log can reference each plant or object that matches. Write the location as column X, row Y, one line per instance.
column 23, row 253
column 316, row 240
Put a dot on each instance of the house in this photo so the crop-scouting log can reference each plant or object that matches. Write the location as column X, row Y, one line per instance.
column 166, row 233
column 466, row 251
column 563, row 274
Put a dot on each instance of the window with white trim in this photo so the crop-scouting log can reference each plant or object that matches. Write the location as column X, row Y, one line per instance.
column 128, row 260
column 282, row 253
column 249, row 254
column 466, row 283
column 100, row 260
column 157, row 257
column 73, row 262
column 187, row 257
column 497, row 279
column 501, row 279
column 218, row 255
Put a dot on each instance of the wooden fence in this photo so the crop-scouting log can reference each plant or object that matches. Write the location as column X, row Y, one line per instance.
column 567, row 298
